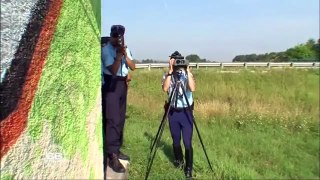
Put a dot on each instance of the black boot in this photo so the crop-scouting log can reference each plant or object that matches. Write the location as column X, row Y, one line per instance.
column 123, row 156
column 178, row 162
column 189, row 162
column 115, row 164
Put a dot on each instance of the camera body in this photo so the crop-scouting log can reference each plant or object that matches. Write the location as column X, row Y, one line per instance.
column 179, row 66
column 180, row 61
column 120, row 42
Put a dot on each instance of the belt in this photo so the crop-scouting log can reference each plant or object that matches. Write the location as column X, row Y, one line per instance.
column 179, row 109
column 118, row 78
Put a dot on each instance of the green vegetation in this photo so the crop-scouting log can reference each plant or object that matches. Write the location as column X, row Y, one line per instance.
column 91, row 174
column 254, row 125
column 98, row 133
column 308, row 51
column 28, row 169
column 195, row 58
column 96, row 8
column 5, row 176
column 191, row 58
column 70, row 80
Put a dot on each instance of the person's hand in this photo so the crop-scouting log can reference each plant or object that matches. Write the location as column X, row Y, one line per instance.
column 189, row 69
column 119, row 56
column 121, row 50
column 166, row 104
column 124, row 51
column 171, row 62
column 129, row 78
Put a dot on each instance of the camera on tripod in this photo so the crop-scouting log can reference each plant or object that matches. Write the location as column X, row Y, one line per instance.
column 181, row 63
column 179, row 60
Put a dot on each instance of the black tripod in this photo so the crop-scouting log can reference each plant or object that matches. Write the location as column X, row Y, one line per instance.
column 168, row 106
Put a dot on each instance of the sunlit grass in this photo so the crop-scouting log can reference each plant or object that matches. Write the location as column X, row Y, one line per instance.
column 253, row 124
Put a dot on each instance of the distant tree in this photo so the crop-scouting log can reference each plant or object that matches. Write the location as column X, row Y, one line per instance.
column 281, row 57
column 300, row 52
column 252, row 57
column 314, row 47
column 195, row 58
column 317, row 50
column 239, row 58
column 261, row 57
column 147, row 61
column 311, row 43
column 309, row 51
column 136, row 61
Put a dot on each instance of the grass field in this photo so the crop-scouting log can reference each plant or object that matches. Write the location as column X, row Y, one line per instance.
column 254, row 125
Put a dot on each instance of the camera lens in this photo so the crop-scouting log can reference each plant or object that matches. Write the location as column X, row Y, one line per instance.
column 120, row 41
column 177, row 61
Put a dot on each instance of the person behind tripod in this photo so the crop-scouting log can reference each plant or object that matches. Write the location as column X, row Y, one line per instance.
column 180, row 116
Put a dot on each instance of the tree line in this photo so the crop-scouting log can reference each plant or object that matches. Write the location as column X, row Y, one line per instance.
column 191, row 58
column 305, row 52
column 309, row 51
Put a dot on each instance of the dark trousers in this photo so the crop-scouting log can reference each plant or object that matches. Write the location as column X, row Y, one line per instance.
column 181, row 121
column 115, row 103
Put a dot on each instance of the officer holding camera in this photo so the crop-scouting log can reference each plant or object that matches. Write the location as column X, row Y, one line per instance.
column 180, row 116
column 116, row 62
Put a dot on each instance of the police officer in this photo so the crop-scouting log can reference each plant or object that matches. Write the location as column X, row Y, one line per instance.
column 180, row 116
column 116, row 62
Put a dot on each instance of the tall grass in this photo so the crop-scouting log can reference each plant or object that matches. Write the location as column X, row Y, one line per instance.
column 282, row 95
column 254, row 124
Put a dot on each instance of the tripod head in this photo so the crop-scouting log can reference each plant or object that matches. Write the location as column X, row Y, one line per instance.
column 179, row 72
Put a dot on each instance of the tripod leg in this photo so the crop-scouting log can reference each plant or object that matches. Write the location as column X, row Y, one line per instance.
column 205, row 152
column 159, row 134
column 160, row 127
column 154, row 153
column 195, row 124
column 167, row 110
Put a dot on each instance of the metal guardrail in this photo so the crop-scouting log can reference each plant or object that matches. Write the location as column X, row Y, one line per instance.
column 238, row 64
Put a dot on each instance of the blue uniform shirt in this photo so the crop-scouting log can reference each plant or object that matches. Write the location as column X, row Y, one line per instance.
column 181, row 102
column 108, row 56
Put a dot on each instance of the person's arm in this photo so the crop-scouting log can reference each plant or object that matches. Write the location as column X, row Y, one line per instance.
column 130, row 63
column 167, row 80
column 116, row 64
column 129, row 78
column 109, row 62
column 128, row 58
column 191, row 81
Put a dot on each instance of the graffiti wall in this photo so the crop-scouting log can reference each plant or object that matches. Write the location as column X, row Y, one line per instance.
column 49, row 89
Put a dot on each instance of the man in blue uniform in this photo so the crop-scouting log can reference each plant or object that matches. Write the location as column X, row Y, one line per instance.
column 180, row 116
column 116, row 62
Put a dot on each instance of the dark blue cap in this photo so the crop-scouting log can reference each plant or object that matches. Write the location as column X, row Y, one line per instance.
column 117, row 30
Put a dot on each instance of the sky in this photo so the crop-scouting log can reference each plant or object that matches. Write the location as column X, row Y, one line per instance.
column 214, row 30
